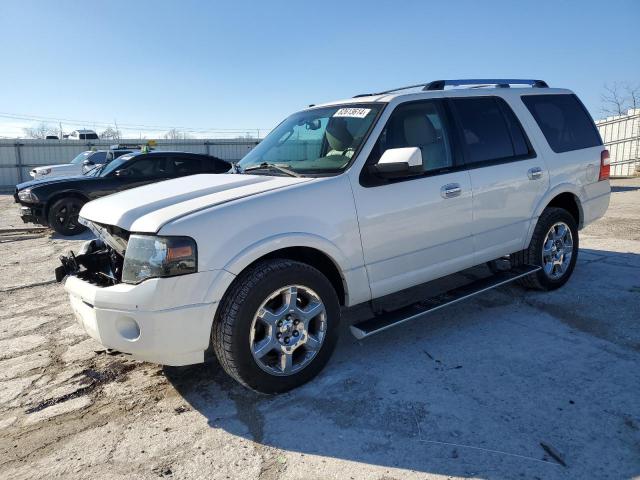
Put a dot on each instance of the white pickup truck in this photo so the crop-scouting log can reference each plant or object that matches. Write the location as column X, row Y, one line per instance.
column 343, row 203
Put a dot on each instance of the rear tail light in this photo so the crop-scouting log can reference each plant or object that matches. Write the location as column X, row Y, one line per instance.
column 605, row 165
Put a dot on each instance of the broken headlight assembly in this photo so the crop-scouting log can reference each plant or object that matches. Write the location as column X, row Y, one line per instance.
column 28, row 196
column 150, row 256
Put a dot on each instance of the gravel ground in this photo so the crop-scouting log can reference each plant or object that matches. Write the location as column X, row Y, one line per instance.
column 515, row 384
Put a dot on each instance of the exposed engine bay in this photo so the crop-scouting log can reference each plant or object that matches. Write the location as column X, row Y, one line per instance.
column 96, row 263
column 99, row 261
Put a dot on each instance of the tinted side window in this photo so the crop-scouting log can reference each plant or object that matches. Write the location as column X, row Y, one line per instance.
column 185, row 165
column 215, row 165
column 417, row 124
column 88, row 136
column 485, row 131
column 521, row 145
column 148, row 167
column 98, row 157
column 564, row 121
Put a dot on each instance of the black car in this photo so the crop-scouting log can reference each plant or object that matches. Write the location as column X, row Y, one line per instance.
column 57, row 202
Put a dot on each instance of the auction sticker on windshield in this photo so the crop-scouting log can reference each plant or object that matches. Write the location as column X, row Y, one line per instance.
column 352, row 112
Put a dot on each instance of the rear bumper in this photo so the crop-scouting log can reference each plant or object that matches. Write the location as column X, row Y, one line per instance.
column 595, row 208
column 166, row 321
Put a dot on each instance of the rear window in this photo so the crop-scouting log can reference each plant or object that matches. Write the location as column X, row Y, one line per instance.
column 564, row 121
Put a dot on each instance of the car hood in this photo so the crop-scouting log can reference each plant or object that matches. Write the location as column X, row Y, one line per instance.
column 146, row 209
column 59, row 166
column 49, row 181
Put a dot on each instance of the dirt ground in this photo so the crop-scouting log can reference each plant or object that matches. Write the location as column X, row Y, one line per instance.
column 515, row 384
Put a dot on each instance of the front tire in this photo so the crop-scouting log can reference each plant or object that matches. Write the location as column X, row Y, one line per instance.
column 63, row 216
column 277, row 325
column 554, row 247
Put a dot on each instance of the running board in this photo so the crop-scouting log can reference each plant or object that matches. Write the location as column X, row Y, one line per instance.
column 387, row 320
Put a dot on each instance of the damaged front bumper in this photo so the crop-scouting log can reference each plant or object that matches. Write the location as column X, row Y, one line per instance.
column 33, row 214
column 161, row 320
column 30, row 212
column 96, row 263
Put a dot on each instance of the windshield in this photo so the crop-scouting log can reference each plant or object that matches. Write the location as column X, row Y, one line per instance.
column 81, row 157
column 321, row 140
column 114, row 165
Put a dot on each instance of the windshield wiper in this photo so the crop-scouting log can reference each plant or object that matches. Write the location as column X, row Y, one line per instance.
column 95, row 170
column 235, row 168
column 271, row 166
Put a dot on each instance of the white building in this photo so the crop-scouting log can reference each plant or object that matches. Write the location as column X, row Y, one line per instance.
column 621, row 135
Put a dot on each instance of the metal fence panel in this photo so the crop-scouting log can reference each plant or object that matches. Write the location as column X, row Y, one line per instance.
column 18, row 156
column 621, row 136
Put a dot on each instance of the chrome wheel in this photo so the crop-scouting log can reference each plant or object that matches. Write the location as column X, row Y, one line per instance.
column 288, row 330
column 557, row 251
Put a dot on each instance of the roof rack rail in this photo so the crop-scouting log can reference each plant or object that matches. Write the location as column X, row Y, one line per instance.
column 498, row 82
column 440, row 84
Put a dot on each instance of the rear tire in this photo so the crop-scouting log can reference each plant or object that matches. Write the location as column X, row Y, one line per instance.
column 277, row 325
column 554, row 247
column 63, row 216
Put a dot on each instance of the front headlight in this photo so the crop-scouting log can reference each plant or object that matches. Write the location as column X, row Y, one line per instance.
column 44, row 171
column 149, row 256
column 27, row 195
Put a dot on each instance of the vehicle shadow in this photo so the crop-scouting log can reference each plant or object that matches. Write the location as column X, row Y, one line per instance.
column 512, row 384
column 624, row 188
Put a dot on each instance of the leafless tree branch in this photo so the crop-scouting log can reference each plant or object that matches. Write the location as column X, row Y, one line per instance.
column 618, row 98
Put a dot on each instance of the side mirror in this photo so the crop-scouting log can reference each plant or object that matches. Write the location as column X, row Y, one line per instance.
column 88, row 163
column 122, row 173
column 399, row 162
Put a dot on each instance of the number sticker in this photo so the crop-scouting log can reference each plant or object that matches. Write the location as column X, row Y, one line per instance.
column 352, row 112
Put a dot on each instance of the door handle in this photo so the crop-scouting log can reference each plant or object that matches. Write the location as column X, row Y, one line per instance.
column 534, row 173
column 450, row 190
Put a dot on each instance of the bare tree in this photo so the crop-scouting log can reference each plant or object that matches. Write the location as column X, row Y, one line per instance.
column 175, row 134
column 619, row 98
column 172, row 134
column 40, row 131
column 111, row 133
column 634, row 96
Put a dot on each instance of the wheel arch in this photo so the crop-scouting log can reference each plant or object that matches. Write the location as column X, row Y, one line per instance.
column 569, row 202
column 310, row 249
column 57, row 196
column 564, row 196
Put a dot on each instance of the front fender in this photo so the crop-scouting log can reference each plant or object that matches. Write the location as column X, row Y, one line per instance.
column 277, row 242
column 354, row 280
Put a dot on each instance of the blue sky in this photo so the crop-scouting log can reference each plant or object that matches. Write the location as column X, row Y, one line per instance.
column 246, row 65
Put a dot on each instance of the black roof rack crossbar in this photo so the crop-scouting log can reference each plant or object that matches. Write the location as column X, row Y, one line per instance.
column 499, row 82
column 440, row 84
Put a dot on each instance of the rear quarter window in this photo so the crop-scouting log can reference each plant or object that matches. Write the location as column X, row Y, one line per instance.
column 564, row 121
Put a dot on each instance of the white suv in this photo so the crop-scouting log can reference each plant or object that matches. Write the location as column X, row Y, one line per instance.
column 341, row 204
column 80, row 165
